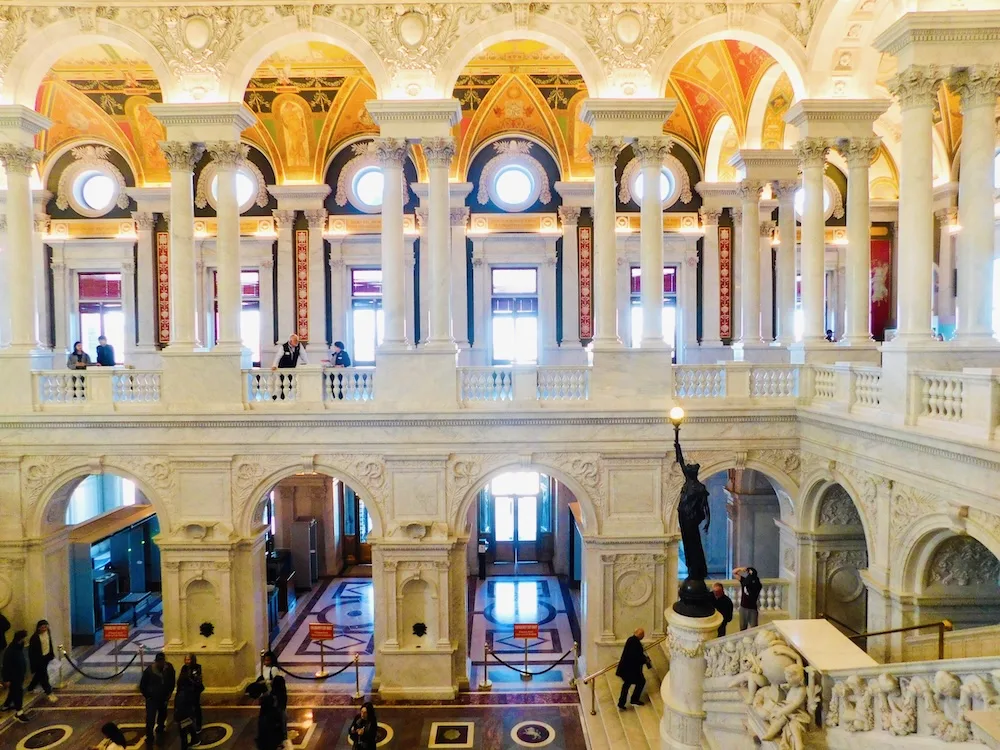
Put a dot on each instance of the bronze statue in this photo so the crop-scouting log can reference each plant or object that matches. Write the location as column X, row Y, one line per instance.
column 695, row 598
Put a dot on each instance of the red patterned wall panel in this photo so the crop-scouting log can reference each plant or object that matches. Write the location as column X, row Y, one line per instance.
column 163, row 286
column 881, row 287
column 586, row 283
column 302, row 283
column 725, row 283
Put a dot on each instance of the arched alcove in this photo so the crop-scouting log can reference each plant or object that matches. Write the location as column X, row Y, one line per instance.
column 840, row 557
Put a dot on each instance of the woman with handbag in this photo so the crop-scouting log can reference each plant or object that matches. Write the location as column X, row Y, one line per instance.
column 364, row 729
column 184, row 706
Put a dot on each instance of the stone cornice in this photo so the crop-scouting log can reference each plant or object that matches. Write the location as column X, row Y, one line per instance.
column 299, row 196
column 576, row 193
column 627, row 118
column 393, row 111
column 939, row 27
column 18, row 118
column 235, row 114
column 766, row 163
column 835, row 111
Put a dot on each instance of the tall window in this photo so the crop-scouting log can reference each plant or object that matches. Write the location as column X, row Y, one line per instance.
column 514, row 319
column 669, row 305
column 101, row 312
column 367, row 318
column 249, row 312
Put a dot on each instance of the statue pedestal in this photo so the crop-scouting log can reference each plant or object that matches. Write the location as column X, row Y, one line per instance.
column 684, row 685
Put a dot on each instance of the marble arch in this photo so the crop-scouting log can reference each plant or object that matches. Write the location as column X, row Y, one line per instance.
column 253, row 478
column 283, row 33
column 47, row 483
column 32, row 61
column 923, row 539
column 754, row 131
column 585, row 495
column 782, row 482
column 811, row 502
column 766, row 34
column 486, row 34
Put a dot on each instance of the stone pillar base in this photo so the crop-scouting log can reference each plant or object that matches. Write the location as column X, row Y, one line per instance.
column 859, row 352
column 202, row 380
column 16, row 397
column 623, row 379
column 423, row 380
column 759, row 353
column 814, row 353
column 683, row 688
column 707, row 354
column 417, row 674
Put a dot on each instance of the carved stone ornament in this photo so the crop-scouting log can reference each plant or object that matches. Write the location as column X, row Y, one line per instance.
column 229, row 154
column 316, row 217
column 144, row 220
column 838, row 509
column 787, row 461
column 604, row 149
column 788, row 560
column 181, row 156
column 569, row 215
column 682, row 647
column 513, row 151
column 682, row 182
column 19, row 159
column 859, row 152
column 464, row 472
column 978, row 85
column 784, row 190
column 750, row 190
column 621, row 36
column 963, row 561
column 811, row 152
column 916, row 86
column 370, row 154
column 203, row 190
column 585, row 468
column 633, row 579
column 438, row 151
column 908, row 505
column 90, row 157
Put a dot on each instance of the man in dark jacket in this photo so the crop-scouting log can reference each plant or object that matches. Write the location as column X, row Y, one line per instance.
column 724, row 606
column 750, row 588
column 630, row 668
column 41, row 652
column 13, row 672
column 156, row 685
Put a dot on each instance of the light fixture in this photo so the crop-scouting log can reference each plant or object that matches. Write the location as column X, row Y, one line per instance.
column 676, row 416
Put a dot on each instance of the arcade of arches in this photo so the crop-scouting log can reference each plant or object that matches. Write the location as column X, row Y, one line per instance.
column 536, row 227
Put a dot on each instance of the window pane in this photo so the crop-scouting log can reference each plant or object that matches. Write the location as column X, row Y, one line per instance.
column 513, row 185
column 527, row 518
column 90, row 330
column 504, row 344
column 515, row 281
column 504, row 520
column 97, row 191
column 635, row 335
column 369, row 185
column 379, row 327
column 669, row 323
column 250, row 283
column 250, row 331
column 364, row 334
column 365, row 525
column 114, row 329
column 516, row 483
column 526, row 338
column 366, row 282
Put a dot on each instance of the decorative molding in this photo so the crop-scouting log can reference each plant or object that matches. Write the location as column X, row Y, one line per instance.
column 569, row 215
column 513, row 152
column 978, row 86
column 438, row 151
column 181, row 156
column 859, row 152
column 811, row 152
column 370, row 154
column 906, row 507
column 19, row 159
column 604, row 149
column 837, row 508
column 203, row 191
column 916, row 86
column 681, row 180
column 963, row 561
column 90, row 157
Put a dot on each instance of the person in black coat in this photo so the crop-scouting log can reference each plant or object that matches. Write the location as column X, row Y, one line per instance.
column 184, row 703
column 156, row 685
column 630, row 666
column 724, row 606
column 270, row 727
column 13, row 672
column 364, row 729
column 41, row 652
column 194, row 669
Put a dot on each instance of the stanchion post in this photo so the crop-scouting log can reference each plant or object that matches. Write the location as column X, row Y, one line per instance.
column 526, row 675
column 262, row 652
column 62, row 658
column 115, row 650
column 486, row 684
column 593, row 697
column 322, row 664
column 357, row 678
column 576, row 658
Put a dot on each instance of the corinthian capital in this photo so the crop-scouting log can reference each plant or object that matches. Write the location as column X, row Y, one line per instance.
column 859, row 152
column 569, row 214
column 916, row 86
column 391, row 152
column 228, row 154
column 439, row 151
column 19, row 159
column 750, row 190
column 652, row 151
column 709, row 216
column 784, row 190
column 811, row 152
column 459, row 216
column 284, row 217
column 316, row 217
column 181, row 156
column 978, row 85
column 144, row 220
column 603, row 149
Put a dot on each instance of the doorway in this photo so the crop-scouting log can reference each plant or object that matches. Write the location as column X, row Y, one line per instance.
column 357, row 527
column 515, row 519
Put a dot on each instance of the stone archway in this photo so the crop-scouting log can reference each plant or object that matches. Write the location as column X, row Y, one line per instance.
column 840, row 557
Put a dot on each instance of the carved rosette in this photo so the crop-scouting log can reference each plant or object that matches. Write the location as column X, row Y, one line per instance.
column 19, row 159
column 916, row 86
column 439, row 151
column 181, row 156
column 603, row 150
column 908, row 506
column 228, row 154
column 811, row 152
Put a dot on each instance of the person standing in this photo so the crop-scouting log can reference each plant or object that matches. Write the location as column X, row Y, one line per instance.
column 105, row 352
column 364, row 729
column 724, row 606
column 13, row 672
column 750, row 587
column 634, row 658
column 339, row 356
column 194, row 669
column 156, row 685
column 270, row 729
column 184, row 703
column 40, row 655
column 291, row 353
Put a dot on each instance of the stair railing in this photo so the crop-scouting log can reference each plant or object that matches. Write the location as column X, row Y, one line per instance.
column 943, row 626
column 591, row 679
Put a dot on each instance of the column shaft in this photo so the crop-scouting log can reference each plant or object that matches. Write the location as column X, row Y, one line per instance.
column 266, row 271
column 859, row 152
column 18, row 162
column 181, row 158
column 60, row 311
column 604, row 152
column 570, row 216
column 785, row 292
column 812, row 155
column 129, row 302
column 41, row 227
column 146, row 276
column 651, row 152
column 391, row 154
column 710, row 288
column 228, row 156
column 459, row 281
column 547, row 304
column 317, row 280
column 946, row 267
column 765, row 256
column 439, row 153
column 285, row 300
column 916, row 88
column 750, row 191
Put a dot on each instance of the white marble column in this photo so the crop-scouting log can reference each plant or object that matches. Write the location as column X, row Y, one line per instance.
column 266, row 271
column 146, row 276
column 285, row 302
column 424, row 308
column 41, row 227
column 978, row 86
column 765, row 255
column 59, row 307
column 681, row 727
column 785, row 293
column 18, row 162
column 916, row 89
column 859, row 152
column 4, row 294
column 812, row 156
column 651, row 152
column 548, row 353
column 439, row 153
column 604, row 152
column 181, row 158
column 391, row 155
column 129, row 303
column 687, row 303
column 946, row 266
column 317, row 280
column 459, row 217
column 570, row 217
column 750, row 191
column 710, row 288
column 338, row 293
column 228, row 157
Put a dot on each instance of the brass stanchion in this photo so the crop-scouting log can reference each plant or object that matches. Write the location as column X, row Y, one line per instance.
column 357, row 678
column 62, row 658
column 526, row 675
column 486, row 684
column 576, row 659
column 322, row 664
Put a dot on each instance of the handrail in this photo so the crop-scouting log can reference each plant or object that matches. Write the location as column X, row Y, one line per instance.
column 835, row 621
column 590, row 679
column 943, row 626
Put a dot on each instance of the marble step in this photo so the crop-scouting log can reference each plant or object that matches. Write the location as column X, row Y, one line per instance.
column 607, row 710
column 630, row 719
column 596, row 738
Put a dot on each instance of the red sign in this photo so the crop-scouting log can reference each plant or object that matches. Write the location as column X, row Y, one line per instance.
column 526, row 630
column 321, row 631
column 116, row 631
column 586, row 283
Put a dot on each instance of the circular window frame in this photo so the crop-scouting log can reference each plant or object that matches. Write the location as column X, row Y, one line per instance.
column 513, row 153
column 525, row 167
column 364, row 158
column 355, row 198
column 830, row 190
column 203, row 195
column 90, row 161
column 678, row 177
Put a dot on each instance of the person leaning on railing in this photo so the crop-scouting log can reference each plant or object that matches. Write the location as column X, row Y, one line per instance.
column 291, row 353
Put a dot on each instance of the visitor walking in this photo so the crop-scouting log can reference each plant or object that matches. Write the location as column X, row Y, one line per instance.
column 156, row 686
column 40, row 655
column 724, row 606
column 13, row 672
column 363, row 733
column 634, row 658
column 184, row 703
column 194, row 669
column 750, row 587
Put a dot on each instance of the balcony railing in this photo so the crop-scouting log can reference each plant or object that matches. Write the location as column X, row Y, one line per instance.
column 563, row 383
column 96, row 388
column 490, row 384
column 773, row 596
column 348, row 384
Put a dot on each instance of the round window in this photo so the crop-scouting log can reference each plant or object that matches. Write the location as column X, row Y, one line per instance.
column 95, row 191
column 246, row 189
column 666, row 185
column 800, row 198
column 368, row 186
column 514, row 185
